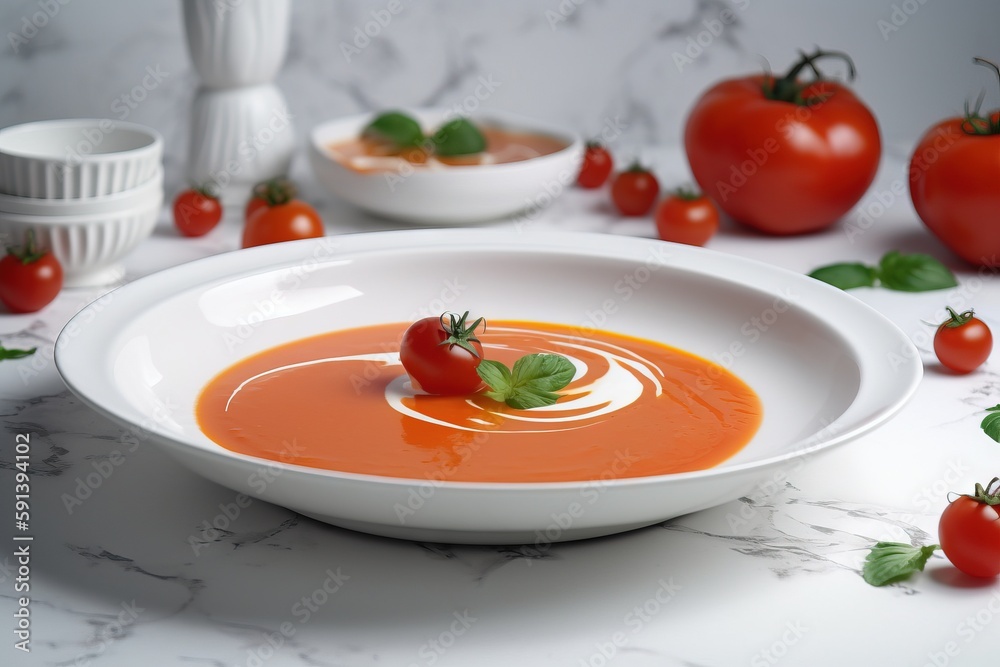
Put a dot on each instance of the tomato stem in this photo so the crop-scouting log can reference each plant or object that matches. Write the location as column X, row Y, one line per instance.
column 29, row 252
column 989, row 495
column 687, row 193
column 789, row 89
column 276, row 191
column 958, row 319
column 638, row 168
column 207, row 190
column 974, row 122
column 459, row 333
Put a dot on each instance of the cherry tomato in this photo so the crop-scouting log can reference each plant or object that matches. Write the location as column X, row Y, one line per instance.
column 441, row 354
column 597, row 166
column 254, row 204
column 29, row 278
column 634, row 191
column 780, row 155
column 196, row 212
column 963, row 342
column 969, row 531
column 282, row 222
column 687, row 217
column 953, row 178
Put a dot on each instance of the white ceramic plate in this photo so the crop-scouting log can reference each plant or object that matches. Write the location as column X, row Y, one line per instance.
column 451, row 195
column 818, row 358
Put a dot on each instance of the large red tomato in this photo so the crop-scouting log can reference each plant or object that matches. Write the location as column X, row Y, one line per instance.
column 780, row 155
column 955, row 185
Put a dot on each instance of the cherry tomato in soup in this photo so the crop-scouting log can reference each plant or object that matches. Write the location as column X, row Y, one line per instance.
column 953, row 178
column 634, row 191
column 686, row 217
column 441, row 354
column 196, row 211
column 30, row 279
column 780, row 155
column 597, row 166
column 969, row 531
column 963, row 342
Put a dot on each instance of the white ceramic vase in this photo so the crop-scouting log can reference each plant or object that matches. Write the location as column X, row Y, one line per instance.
column 236, row 42
column 241, row 132
column 239, row 136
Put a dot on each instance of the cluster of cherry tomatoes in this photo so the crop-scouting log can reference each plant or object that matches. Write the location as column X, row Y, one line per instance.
column 683, row 216
column 272, row 215
column 31, row 277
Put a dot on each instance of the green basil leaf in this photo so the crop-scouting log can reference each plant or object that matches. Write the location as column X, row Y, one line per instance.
column 542, row 372
column 991, row 423
column 395, row 128
column 15, row 354
column 532, row 382
column 527, row 398
column 888, row 562
column 494, row 373
column 846, row 276
column 914, row 273
column 458, row 137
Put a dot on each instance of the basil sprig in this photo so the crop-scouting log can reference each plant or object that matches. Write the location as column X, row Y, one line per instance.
column 914, row 272
column 531, row 383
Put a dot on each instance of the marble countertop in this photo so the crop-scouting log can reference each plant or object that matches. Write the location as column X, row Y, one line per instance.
column 123, row 572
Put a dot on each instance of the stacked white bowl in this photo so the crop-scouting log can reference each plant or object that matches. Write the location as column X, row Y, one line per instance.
column 90, row 189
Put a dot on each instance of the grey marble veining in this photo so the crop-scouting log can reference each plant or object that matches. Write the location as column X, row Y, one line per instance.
column 138, row 560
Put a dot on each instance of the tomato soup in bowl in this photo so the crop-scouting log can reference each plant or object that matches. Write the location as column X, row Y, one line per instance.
column 677, row 412
column 503, row 146
column 677, row 404
column 527, row 163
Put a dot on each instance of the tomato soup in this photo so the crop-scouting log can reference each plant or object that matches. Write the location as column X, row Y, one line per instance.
column 502, row 146
column 342, row 401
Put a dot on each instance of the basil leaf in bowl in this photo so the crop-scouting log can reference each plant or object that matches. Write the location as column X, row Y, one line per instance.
column 395, row 128
column 458, row 137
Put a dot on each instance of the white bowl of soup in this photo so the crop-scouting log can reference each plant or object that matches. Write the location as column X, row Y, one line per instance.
column 526, row 165
column 284, row 359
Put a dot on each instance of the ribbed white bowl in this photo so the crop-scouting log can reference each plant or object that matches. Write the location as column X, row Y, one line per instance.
column 77, row 159
column 119, row 201
column 89, row 247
